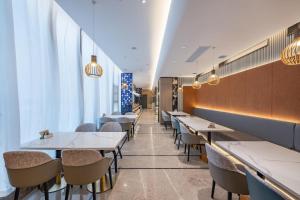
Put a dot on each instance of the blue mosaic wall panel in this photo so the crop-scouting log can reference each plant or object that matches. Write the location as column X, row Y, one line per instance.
column 126, row 94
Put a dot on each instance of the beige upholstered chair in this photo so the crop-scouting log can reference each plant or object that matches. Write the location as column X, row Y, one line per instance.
column 103, row 120
column 225, row 173
column 82, row 167
column 30, row 168
column 126, row 125
column 166, row 119
column 86, row 127
column 113, row 127
column 189, row 139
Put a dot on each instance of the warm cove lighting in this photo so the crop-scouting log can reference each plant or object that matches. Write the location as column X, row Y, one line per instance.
column 258, row 115
column 161, row 22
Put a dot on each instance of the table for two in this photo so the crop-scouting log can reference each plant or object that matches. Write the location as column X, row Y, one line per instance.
column 132, row 119
column 100, row 141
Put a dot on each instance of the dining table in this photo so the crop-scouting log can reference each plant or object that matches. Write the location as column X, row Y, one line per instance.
column 132, row 119
column 178, row 113
column 59, row 141
column 278, row 165
column 200, row 125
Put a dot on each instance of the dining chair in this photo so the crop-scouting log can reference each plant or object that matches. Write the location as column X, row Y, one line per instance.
column 103, row 120
column 82, row 167
column 174, row 124
column 259, row 190
column 113, row 127
column 189, row 139
column 86, row 127
column 29, row 169
column 177, row 132
column 226, row 173
column 126, row 125
column 116, row 113
column 166, row 119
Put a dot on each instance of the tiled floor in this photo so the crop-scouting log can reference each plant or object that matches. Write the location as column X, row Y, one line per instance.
column 153, row 169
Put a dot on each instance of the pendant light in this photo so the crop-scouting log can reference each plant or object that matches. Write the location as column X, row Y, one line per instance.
column 291, row 54
column 213, row 79
column 196, row 84
column 93, row 69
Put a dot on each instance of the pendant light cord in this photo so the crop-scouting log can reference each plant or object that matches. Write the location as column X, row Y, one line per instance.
column 94, row 2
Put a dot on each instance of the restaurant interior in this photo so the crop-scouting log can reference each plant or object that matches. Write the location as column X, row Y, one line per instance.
column 150, row 99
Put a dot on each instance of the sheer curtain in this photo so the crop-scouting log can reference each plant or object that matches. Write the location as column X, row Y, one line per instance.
column 9, row 108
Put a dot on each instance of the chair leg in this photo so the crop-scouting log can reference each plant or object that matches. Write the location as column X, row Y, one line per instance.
column 179, row 142
column 175, row 138
column 128, row 135
column 110, row 178
column 120, row 153
column 173, row 132
column 17, row 192
column 229, row 196
column 184, row 148
column 67, row 192
column 213, row 189
column 115, row 161
column 200, row 149
column 189, row 148
column 166, row 125
column 46, row 191
column 94, row 191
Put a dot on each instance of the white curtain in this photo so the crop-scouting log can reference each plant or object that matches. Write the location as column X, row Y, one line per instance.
column 43, row 84
column 9, row 107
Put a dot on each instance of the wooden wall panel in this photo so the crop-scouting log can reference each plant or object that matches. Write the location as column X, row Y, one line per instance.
column 165, row 98
column 270, row 91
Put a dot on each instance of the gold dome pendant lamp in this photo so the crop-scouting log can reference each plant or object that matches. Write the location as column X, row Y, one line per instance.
column 196, row 85
column 93, row 69
column 213, row 78
column 180, row 87
column 291, row 54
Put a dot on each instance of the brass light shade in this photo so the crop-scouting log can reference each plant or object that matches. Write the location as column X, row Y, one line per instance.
column 124, row 86
column 93, row 69
column 291, row 54
column 213, row 79
column 180, row 89
column 196, row 85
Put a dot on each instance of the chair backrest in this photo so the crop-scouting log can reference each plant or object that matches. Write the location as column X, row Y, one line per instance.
column 111, row 127
column 86, row 127
column 165, row 116
column 116, row 113
column 218, row 159
column 125, row 123
column 174, row 123
column 80, row 157
column 130, row 113
column 259, row 190
column 25, row 159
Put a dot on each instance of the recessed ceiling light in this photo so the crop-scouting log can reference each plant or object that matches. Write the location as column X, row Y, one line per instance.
column 133, row 48
column 144, row 1
column 174, row 61
column 183, row 47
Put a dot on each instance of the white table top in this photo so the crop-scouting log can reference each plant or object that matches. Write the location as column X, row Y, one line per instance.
column 77, row 140
column 178, row 113
column 201, row 125
column 278, row 164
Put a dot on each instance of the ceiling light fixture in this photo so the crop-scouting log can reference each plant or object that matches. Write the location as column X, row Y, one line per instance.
column 213, row 79
column 93, row 69
column 143, row 1
column 180, row 89
column 196, row 84
column 124, row 86
column 291, row 54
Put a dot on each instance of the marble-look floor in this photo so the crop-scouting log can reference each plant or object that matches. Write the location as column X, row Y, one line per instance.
column 153, row 168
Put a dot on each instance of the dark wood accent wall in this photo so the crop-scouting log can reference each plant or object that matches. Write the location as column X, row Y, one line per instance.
column 270, row 91
column 165, row 95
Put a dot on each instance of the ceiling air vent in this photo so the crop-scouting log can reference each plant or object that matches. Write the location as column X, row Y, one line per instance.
column 199, row 51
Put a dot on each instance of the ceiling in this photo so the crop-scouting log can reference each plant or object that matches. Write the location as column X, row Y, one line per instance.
column 166, row 33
